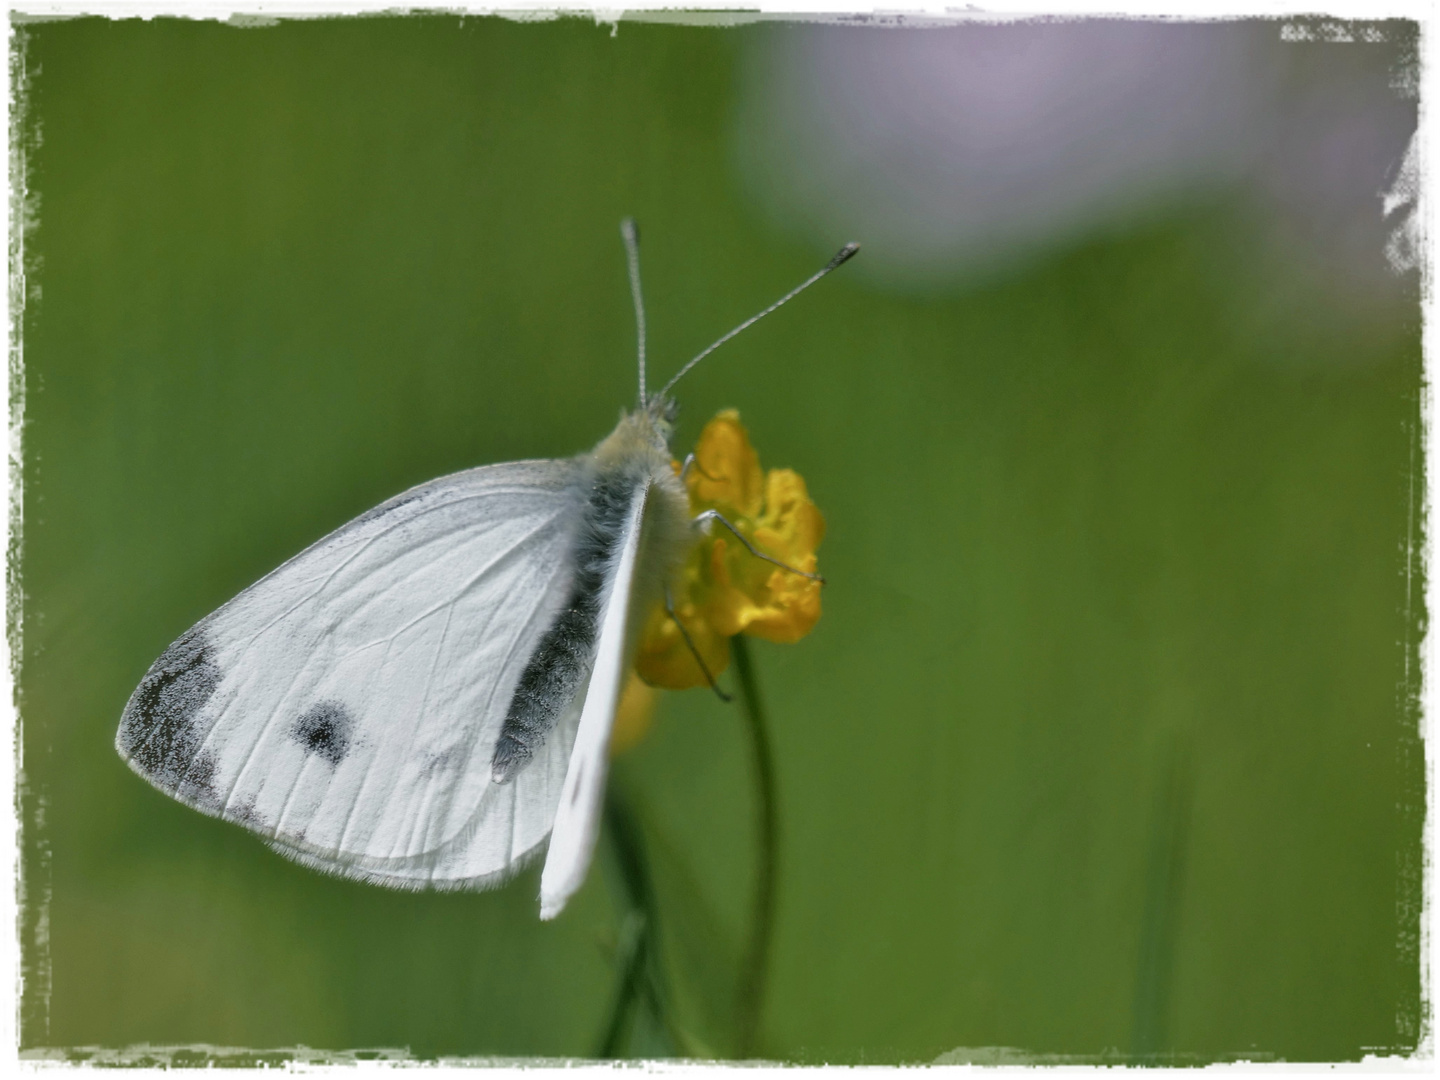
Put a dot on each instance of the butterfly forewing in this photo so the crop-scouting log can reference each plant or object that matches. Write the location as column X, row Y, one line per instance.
column 346, row 706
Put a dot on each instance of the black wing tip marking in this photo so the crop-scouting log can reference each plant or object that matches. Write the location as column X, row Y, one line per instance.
column 158, row 735
column 325, row 730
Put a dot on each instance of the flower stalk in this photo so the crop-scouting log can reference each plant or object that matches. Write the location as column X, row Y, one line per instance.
column 757, row 577
column 641, row 989
column 755, row 964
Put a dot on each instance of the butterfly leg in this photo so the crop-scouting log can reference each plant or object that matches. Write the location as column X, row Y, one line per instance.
column 692, row 463
column 703, row 521
column 670, row 610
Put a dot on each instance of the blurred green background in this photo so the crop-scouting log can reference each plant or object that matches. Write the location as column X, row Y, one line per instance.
column 1106, row 742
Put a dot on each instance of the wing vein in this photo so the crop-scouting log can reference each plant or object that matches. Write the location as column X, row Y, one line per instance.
column 409, row 521
column 269, row 724
column 370, row 765
column 424, row 702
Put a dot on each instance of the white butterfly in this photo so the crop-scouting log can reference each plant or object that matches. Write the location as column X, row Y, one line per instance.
column 422, row 697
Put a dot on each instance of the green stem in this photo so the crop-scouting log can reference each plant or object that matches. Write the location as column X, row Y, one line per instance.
column 1159, row 929
column 641, row 982
column 751, row 986
column 635, row 951
column 630, row 961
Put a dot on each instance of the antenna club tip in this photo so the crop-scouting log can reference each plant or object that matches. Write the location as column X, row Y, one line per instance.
column 628, row 229
column 845, row 253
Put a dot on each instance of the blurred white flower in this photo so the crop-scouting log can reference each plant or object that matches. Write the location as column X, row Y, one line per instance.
column 956, row 151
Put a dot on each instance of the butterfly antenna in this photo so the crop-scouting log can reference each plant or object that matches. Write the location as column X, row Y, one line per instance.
column 840, row 257
column 631, row 236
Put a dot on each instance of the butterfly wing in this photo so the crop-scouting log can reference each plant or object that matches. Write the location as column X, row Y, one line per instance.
column 347, row 705
column 577, row 818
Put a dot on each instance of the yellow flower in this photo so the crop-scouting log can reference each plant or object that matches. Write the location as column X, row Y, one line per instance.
column 633, row 715
column 722, row 588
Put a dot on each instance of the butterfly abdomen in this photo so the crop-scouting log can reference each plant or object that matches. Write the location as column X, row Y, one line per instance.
column 564, row 654
column 624, row 468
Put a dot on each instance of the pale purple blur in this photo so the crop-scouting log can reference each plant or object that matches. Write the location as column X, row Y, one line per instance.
column 958, row 152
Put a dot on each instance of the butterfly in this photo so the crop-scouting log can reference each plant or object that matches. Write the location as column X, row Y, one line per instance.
column 423, row 697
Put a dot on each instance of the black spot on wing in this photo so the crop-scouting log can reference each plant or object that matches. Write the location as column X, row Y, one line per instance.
column 158, row 730
column 325, row 729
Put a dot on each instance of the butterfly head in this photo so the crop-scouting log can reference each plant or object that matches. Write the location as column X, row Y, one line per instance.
column 660, row 412
column 641, row 435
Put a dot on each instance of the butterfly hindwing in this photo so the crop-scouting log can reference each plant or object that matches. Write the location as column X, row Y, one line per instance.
column 346, row 706
column 577, row 818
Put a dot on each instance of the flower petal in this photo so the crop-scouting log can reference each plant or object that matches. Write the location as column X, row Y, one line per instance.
column 722, row 589
column 665, row 660
column 726, row 475
column 634, row 714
